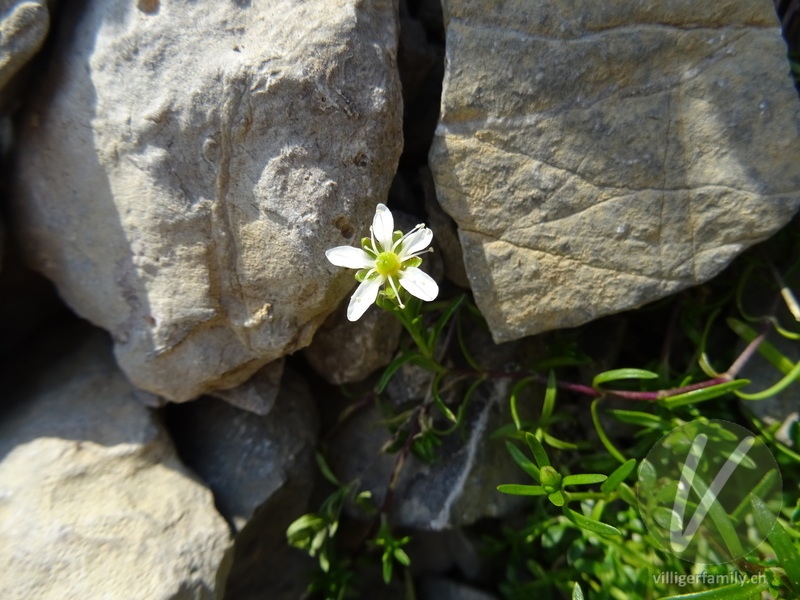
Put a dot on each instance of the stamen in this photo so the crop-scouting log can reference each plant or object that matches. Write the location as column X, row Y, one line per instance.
column 398, row 242
column 372, row 236
column 396, row 293
column 418, row 253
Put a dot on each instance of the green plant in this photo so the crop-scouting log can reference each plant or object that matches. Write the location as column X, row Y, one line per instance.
column 589, row 543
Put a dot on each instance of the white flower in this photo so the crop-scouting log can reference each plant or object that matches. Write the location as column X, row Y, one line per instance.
column 387, row 256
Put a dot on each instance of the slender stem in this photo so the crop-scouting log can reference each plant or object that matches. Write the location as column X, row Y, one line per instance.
column 413, row 329
column 748, row 352
column 398, row 466
column 661, row 394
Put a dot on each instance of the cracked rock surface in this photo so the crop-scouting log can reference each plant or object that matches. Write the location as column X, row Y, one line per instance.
column 185, row 166
column 598, row 156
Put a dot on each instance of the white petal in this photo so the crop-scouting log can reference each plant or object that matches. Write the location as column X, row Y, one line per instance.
column 350, row 257
column 419, row 284
column 383, row 226
column 364, row 296
column 416, row 241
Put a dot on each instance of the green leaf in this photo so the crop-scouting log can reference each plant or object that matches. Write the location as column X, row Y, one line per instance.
column 326, row 470
column 557, row 443
column 401, row 557
column 549, row 397
column 437, row 399
column 523, row 461
column 577, row 593
column 393, row 367
column 636, row 417
column 617, row 374
column 722, row 521
column 780, row 541
column 387, row 568
column 706, row 367
column 444, row 319
column 619, row 475
column 516, row 489
column 590, row 524
column 602, row 434
column 704, row 363
column 775, row 389
column 584, row 479
column 462, row 409
column 627, row 494
column 518, row 387
column 703, row 394
column 301, row 531
column 557, row 498
column 767, row 350
column 539, row 454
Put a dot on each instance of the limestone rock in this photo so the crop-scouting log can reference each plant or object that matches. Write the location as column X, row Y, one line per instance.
column 597, row 156
column 458, row 489
column 187, row 164
column 261, row 469
column 93, row 501
column 257, row 394
column 346, row 352
column 246, row 458
column 442, row 588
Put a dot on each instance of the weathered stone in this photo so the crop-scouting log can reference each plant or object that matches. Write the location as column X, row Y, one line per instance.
column 457, row 489
column 23, row 27
column 597, row 156
column 246, row 458
column 184, row 170
column 261, row 470
column 446, row 233
column 345, row 351
column 442, row 588
column 449, row 551
column 93, row 500
column 257, row 394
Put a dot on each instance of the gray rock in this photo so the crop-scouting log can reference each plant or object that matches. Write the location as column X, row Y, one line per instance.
column 449, row 551
column 345, row 351
column 446, row 233
column 257, row 394
column 597, row 156
column 246, row 458
column 23, row 27
column 261, row 470
column 184, row 170
column 442, row 588
column 456, row 490
column 93, row 500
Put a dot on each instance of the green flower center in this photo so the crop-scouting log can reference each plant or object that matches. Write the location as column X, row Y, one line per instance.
column 387, row 263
